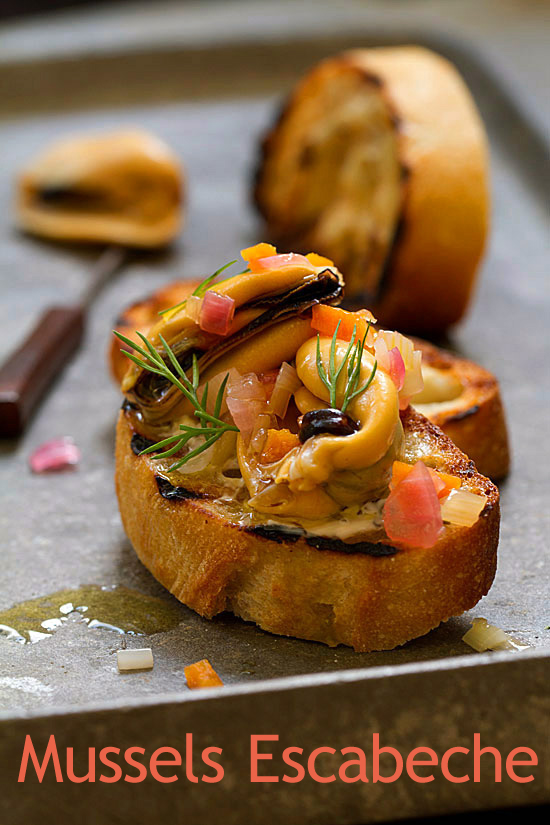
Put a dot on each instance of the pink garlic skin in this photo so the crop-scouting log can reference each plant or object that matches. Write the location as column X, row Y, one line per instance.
column 55, row 456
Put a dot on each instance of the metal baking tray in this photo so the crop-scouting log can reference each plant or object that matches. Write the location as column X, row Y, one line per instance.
column 58, row 533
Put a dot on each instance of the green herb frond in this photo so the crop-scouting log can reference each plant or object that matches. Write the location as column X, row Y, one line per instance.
column 351, row 362
column 204, row 286
column 211, row 428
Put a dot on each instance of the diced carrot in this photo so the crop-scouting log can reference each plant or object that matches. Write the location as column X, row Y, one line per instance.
column 444, row 482
column 318, row 260
column 277, row 444
column 260, row 250
column 325, row 319
column 202, row 675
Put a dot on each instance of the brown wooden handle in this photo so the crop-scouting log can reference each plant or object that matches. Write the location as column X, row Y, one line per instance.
column 30, row 370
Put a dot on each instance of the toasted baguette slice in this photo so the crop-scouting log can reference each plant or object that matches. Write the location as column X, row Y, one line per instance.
column 379, row 161
column 371, row 595
column 462, row 398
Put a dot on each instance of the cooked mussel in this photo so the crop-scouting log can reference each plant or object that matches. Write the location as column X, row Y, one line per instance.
column 121, row 187
column 269, row 325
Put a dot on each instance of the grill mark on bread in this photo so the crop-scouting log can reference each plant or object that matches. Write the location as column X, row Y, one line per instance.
column 171, row 493
column 368, row 548
column 282, row 534
column 274, row 533
column 139, row 443
column 459, row 416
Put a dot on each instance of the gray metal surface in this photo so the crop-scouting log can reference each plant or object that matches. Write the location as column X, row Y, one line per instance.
column 63, row 531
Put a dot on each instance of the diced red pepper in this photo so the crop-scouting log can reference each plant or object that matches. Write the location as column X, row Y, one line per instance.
column 412, row 512
column 444, row 482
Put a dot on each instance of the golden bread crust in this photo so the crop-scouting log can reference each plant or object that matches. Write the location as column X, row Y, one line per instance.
column 475, row 420
column 212, row 564
column 139, row 316
column 428, row 275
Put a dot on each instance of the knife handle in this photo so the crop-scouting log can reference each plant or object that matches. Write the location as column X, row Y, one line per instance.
column 30, row 370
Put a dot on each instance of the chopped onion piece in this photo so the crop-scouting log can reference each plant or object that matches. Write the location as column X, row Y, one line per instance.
column 391, row 361
column 382, row 354
column 214, row 385
column 263, row 423
column 193, row 307
column 403, row 344
column 246, row 400
column 278, row 261
column 414, row 380
column 484, row 636
column 55, row 455
column 397, row 367
column 285, row 386
column 216, row 313
column 267, row 380
column 136, row 659
column 462, row 508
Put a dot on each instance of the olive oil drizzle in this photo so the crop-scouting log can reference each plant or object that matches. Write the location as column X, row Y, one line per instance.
column 109, row 607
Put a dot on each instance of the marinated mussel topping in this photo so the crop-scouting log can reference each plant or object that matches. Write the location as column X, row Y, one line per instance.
column 259, row 390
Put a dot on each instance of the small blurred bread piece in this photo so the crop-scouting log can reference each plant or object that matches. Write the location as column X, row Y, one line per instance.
column 123, row 187
column 379, row 161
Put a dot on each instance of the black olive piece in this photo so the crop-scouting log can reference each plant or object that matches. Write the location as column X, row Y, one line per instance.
column 334, row 422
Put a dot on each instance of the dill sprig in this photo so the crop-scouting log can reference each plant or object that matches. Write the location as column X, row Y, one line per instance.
column 351, row 362
column 204, row 286
column 211, row 428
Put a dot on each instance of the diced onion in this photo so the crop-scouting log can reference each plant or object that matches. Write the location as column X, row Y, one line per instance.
column 137, row 659
column 397, row 367
column 285, row 386
column 414, row 380
column 246, row 400
column 386, row 343
column 193, row 307
column 462, row 508
column 386, row 340
column 213, row 388
column 216, row 313
column 55, row 455
column 403, row 344
column 263, row 423
column 278, row 261
column 382, row 354
column 484, row 636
